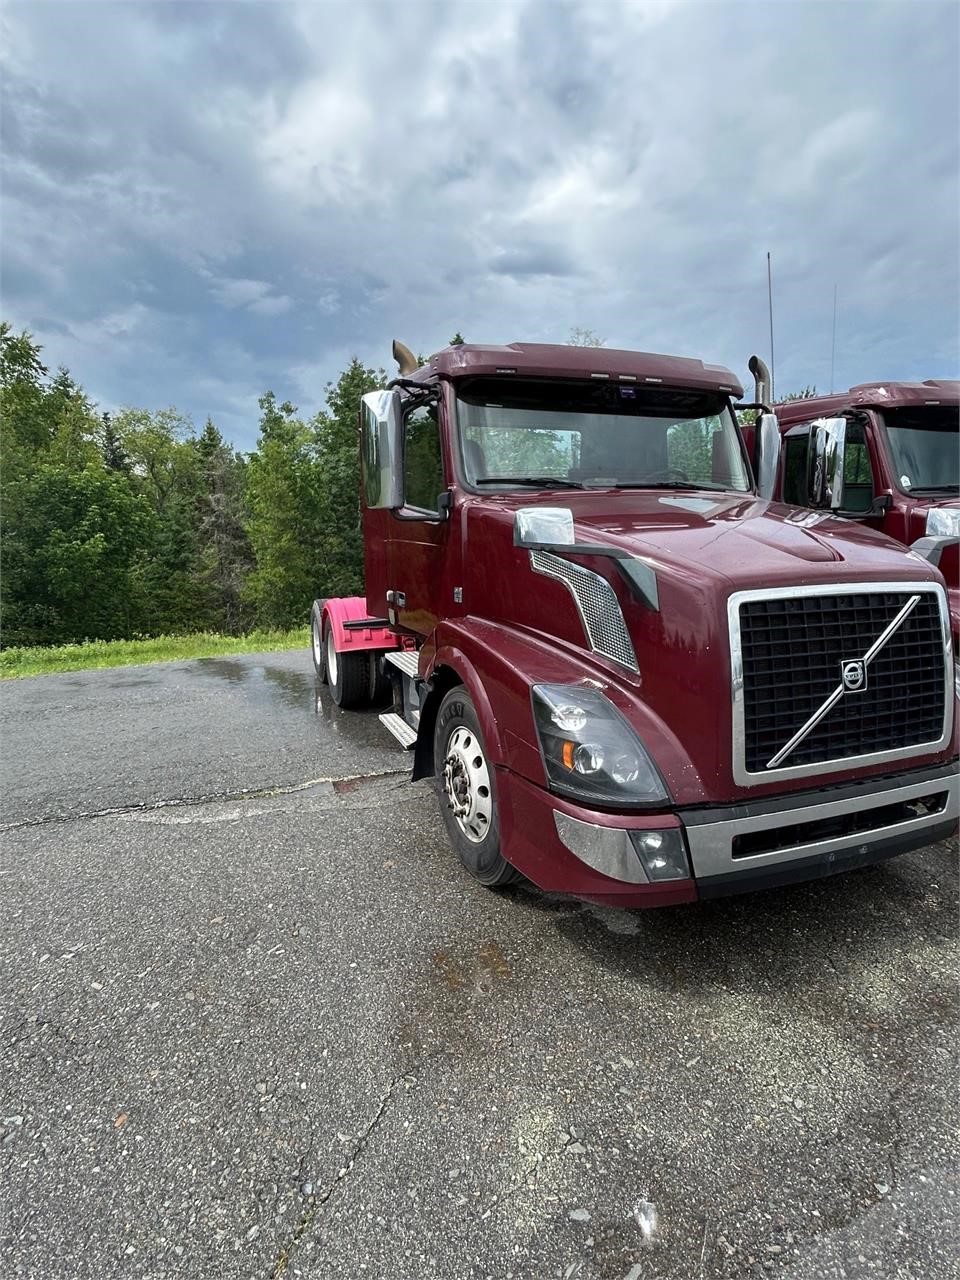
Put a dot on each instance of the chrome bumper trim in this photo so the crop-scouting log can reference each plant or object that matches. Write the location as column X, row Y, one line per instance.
column 608, row 850
column 711, row 843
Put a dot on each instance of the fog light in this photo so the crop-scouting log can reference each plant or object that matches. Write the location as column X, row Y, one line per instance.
column 662, row 853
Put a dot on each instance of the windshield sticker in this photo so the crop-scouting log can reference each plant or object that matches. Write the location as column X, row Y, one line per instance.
column 906, row 482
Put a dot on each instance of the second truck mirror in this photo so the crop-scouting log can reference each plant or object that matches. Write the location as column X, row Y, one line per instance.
column 825, row 458
column 767, row 453
column 381, row 450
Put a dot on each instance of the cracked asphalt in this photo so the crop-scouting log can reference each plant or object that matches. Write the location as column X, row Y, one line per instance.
column 255, row 1022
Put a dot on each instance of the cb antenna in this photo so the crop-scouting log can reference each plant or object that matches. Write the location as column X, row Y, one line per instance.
column 770, row 309
column 833, row 345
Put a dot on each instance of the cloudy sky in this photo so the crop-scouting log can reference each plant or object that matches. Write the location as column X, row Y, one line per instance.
column 204, row 201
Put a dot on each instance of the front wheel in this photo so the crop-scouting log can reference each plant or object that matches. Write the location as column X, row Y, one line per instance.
column 467, row 792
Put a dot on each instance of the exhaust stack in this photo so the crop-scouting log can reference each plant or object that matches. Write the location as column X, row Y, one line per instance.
column 406, row 360
column 761, row 380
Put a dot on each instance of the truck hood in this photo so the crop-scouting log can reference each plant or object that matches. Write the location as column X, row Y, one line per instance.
column 738, row 541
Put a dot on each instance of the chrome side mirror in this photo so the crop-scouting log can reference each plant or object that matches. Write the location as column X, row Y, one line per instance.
column 826, row 452
column 768, row 453
column 381, row 450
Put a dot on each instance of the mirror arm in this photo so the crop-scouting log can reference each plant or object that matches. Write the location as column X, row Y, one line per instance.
column 440, row 516
column 428, row 391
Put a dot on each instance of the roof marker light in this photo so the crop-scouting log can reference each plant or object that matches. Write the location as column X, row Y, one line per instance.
column 599, row 375
column 653, row 379
column 627, row 377
column 506, row 371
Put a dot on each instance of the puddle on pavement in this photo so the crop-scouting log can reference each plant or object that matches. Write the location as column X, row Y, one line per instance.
column 270, row 686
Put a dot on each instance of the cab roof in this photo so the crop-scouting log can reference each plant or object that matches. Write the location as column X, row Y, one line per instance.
column 541, row 360
column 872, row 395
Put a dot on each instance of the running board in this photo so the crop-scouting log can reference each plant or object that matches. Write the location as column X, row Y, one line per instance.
column 405, row 660
column 399, row 728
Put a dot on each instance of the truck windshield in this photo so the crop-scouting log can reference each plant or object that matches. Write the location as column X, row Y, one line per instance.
column 540, row 434
column 924, row 448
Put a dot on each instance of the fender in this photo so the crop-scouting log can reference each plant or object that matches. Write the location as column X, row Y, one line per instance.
column 449, row 657
column 344, row 609
column 499, row 664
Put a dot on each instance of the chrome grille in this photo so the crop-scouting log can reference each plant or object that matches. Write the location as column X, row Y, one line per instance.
column 793, row 714
column 597, row 603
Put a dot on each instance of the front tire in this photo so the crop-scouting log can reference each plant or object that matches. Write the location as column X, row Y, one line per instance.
column 467, row 791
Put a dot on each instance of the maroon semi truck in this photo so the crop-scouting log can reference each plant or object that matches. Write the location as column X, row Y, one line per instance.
column 886, row 454
column 632, row 678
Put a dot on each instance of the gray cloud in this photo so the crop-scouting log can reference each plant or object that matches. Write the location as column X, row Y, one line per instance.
column 201, row 202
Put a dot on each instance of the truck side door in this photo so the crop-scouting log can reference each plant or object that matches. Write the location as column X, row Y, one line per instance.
column 421, row 539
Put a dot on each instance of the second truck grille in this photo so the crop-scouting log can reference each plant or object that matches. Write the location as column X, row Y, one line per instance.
column 792, row 650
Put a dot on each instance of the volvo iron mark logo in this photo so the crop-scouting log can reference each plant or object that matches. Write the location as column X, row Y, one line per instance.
column 854, row 675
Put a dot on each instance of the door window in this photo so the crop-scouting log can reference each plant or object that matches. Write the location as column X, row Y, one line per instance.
column 422, row 459
column 857, row 475
column 795, row 469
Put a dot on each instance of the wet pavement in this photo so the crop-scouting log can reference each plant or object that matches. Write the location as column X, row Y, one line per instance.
column 272, row 1030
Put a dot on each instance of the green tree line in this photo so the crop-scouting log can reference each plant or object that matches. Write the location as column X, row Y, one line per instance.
column 137, row 524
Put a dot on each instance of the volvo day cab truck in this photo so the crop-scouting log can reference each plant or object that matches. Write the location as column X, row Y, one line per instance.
column 886, row 454
column 633, row 679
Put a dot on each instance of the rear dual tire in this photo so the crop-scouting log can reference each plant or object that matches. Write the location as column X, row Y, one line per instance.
column 355, row 679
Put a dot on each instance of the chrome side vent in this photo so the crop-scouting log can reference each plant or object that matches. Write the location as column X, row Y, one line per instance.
column 596, row 603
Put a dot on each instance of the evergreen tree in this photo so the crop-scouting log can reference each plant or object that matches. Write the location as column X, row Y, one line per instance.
column 283, row 516
column 166, row 472
column 114, row 455
column 225, row 551
column 339, row 551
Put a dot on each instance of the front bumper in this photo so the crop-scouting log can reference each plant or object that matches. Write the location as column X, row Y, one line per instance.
column 833, row 829
column 732, row 850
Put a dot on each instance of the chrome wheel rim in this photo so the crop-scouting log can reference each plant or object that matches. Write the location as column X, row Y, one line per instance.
column 466, row 782
column 317, row 644
column 331, row 658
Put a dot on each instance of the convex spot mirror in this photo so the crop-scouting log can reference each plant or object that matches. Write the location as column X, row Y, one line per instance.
column 825, row 458
column 381, row 449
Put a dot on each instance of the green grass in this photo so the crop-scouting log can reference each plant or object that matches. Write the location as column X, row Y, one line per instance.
column 45, row 660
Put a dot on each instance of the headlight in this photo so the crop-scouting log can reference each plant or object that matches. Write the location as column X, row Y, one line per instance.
column 589, row 750
column 943, row 522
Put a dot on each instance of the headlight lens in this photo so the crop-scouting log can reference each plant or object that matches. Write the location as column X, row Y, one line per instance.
column 943, row 522
column 589, row 750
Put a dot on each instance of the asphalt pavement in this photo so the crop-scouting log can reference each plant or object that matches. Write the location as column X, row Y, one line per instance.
column 256, row 1022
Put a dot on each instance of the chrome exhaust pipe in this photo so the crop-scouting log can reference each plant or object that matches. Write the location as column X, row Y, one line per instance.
column 761, row 380
column 406, row 360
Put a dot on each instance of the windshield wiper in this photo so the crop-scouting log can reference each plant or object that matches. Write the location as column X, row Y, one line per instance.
column 669, row 484
column 540, row 482
column 934, row 488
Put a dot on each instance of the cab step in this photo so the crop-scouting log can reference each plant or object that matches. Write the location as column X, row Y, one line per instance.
column 405, row 660
column 399, row 728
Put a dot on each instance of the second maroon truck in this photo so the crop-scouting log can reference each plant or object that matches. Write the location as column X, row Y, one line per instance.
column 894, row 454
column 635, row 680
